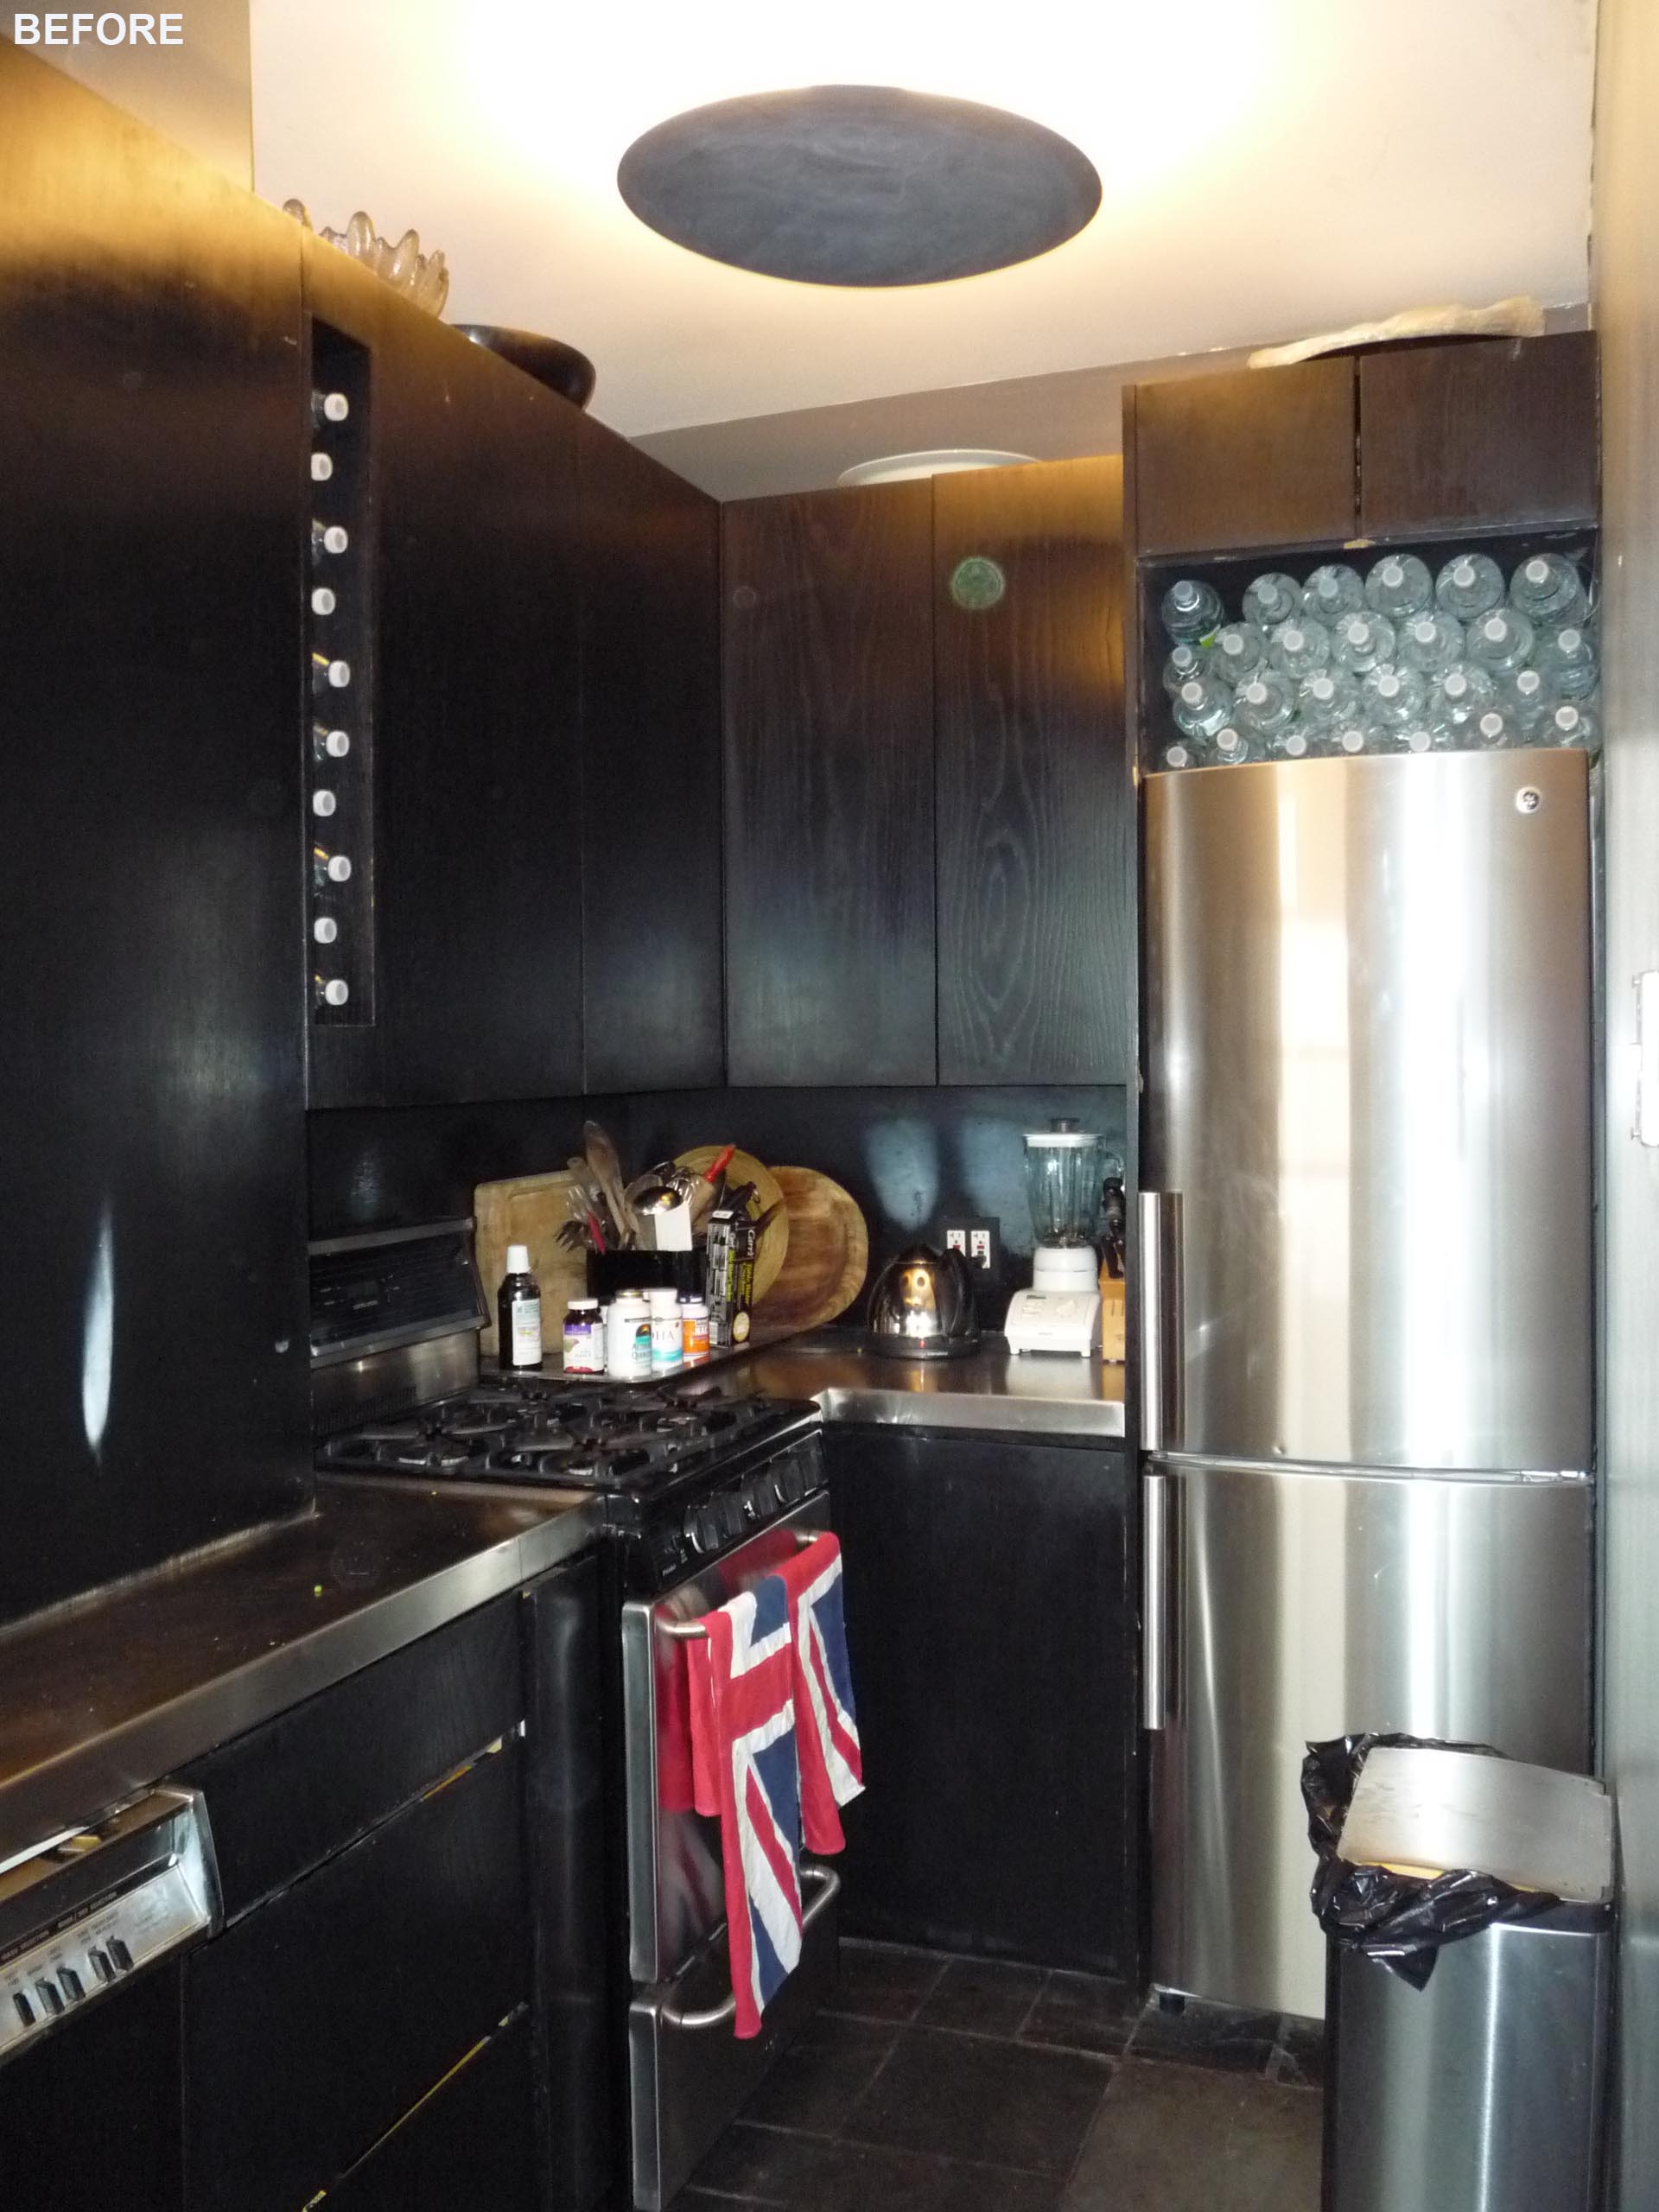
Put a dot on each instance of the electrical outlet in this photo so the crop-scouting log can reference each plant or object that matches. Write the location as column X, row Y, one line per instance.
column 980, row 1243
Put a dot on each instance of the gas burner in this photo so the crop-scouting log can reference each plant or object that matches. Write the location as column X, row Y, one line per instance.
column 469, row 1428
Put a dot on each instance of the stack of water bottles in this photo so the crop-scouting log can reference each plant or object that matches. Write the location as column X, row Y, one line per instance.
column 1399, row 660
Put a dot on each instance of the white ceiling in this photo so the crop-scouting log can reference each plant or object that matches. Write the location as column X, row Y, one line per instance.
column 1271, row 167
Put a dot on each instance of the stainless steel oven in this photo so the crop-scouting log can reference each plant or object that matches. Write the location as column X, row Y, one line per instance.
column 688, row 2073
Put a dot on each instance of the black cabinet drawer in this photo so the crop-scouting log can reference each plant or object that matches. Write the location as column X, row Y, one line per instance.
column 286, row 1797
column 314, row 2025
column 469, row 2144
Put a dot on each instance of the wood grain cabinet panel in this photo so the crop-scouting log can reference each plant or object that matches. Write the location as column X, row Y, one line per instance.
column 1036, row 931
column 1262, row 457
column 829, row 779
column 650, row 937
column 1484, row 435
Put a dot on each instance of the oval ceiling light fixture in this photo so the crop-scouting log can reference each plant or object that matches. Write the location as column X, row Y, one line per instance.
column 859, row 185
column 940, row 460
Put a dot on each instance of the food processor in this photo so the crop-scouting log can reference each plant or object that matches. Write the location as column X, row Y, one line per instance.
column 1061, row 1310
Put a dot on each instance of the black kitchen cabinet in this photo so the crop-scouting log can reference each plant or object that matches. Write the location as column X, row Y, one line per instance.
column 152, row 967
column 1036, row 926
column 992, row 1627
column 469, row 2145
column 829, row 785
column 1254, row 457
column 1491, row 435
column 477, row 797
column 91, row 2117
column 652, row 986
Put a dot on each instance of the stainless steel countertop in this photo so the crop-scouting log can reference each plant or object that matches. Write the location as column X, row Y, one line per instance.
column 993, row 1390
column 100, row 1698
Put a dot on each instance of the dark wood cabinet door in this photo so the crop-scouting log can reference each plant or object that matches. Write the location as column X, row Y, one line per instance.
column 470, row 2144
column 1488, row 434
column 828, row 759
column 1036, row 926
column 1256, row 457
column 651, row 940
column 478, row 829
column 991, row 1626
column 313, row 2025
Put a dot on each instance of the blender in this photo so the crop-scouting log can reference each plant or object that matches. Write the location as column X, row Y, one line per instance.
column 1061, row 1310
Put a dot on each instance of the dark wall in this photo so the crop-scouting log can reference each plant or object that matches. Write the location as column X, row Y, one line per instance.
column 906, row 1155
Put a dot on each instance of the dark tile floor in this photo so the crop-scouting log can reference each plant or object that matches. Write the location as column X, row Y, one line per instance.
column 931, row 2084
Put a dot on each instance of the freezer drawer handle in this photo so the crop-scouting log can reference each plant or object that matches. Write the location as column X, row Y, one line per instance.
column 1163, row 1355
column 826, row 1883
column 1154, row 1620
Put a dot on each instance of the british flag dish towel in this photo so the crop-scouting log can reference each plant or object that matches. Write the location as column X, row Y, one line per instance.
column 826, row 1726
column 743, row 1707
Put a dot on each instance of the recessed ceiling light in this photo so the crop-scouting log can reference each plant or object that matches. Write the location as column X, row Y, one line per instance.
column 859, row 185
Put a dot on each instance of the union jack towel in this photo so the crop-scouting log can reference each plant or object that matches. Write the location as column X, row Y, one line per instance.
column 742, row 1693
column 826, row 1739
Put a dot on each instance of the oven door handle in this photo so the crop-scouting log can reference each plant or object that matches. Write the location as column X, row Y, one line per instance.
column 828, row 1883
column 688, row 1632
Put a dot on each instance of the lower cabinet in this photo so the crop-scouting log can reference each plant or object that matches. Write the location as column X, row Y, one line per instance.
column 992, row 1627
column 469, row 2143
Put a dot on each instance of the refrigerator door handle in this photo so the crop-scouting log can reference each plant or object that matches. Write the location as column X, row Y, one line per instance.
column 1163, row 1350
column 1155, row 1598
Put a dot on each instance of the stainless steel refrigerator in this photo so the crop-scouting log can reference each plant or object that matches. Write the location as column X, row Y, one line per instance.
column 1366, row 1243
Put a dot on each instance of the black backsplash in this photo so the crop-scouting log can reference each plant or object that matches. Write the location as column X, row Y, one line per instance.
column 908, row 1156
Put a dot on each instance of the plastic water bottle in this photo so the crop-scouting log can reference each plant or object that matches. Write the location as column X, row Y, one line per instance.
column 1272, row 599
column 1236, row 649
column 1265, row 703
column 1300, row 647
column 1296, row 743
column 1184, row 663
column 1327, row 698
column 1492, row 726
column 1456, row 697
column 1201, row 706
column 1469, row 585
column 1501, row 641
column 1547, row 589
column 1191, row 610
column 1332, row 591
column 1528, row 695
column 1571, row 724
column 1395, row 698
column 1567, row 656
column 1431, row 642
column 1398, row 586
column 1416, row 737
column 1349, row 737
column 1362, row 642
column 1232, row 747
column 1184, row 753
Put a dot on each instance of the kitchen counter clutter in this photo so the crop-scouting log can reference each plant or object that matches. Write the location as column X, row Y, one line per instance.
column 107, row 1695
column 992, row 1389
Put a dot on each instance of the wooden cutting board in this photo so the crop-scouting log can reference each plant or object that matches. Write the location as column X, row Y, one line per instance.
column 530, row 1210
column 744, row 1167
column 829, row 1252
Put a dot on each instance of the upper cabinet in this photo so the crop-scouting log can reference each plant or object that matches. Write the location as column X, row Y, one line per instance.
column 650, row 934
column 928, row 819
column 1498, row 433
column 1256, row 457
column 829, row 737
column 476, row 834
column 1035, row 918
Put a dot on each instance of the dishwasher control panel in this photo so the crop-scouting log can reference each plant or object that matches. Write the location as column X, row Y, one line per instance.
column 89, row 1909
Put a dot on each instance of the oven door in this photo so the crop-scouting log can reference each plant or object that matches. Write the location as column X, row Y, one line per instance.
column 675, row 1894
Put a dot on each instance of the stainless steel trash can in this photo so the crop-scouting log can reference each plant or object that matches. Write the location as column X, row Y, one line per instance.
column 1484, row 2091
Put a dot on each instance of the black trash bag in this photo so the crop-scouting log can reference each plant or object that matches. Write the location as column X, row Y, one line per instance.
column 1400, row 1920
